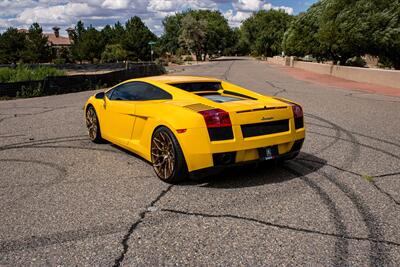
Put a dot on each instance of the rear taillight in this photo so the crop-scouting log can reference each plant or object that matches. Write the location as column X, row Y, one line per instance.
column 298, row 116
column 216, row 118
column 297, row 111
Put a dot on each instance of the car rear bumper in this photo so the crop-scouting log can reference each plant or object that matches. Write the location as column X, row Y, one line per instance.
column 200, row 152
column 217, row 168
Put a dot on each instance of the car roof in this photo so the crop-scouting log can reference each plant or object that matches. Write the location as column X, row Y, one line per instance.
column 172, row 79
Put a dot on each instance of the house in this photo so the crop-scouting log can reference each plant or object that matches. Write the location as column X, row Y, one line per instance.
column 57, row 41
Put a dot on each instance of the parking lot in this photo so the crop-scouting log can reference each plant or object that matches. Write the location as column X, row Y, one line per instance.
column 67, row 201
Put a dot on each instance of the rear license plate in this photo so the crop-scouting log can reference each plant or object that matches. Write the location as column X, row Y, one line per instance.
column 268, row 153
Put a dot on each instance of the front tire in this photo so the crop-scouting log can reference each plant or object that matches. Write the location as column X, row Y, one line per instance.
column 92, row 123
column 167, row 157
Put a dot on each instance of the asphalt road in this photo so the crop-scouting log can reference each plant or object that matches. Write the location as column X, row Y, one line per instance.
column 67, row 201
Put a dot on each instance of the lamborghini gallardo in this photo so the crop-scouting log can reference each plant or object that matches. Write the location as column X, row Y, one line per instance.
column 186, row 125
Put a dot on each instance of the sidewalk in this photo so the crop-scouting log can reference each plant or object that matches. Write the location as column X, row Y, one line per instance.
column 322, row 79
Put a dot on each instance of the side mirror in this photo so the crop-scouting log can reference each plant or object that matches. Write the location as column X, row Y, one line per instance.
column 100, row 95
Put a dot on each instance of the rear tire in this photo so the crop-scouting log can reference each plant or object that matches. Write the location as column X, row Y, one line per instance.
column 167, row 157
column 92, row 123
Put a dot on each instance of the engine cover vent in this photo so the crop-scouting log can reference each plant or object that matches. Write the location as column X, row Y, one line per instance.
column 199, row 107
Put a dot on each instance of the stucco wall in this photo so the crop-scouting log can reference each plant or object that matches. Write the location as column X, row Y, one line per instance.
column 389, row 78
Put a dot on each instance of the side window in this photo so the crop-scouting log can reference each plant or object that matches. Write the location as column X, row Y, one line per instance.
column 138, row 91
column 109, row 93
column 125, row 92
column 151, row 92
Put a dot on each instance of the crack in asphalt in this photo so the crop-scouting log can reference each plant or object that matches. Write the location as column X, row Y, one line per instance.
column 132, row 228
column 385, row 193
column 225, row 76
column 282, row 226
column 387, row 175
column 281, row 90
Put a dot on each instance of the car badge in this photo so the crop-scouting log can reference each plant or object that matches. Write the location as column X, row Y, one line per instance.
column 267, row 118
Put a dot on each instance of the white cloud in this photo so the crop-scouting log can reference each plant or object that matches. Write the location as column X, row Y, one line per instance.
column 4, row 24
column 56, row 15
column 65, row 13
column 248, row 5
column 268, row 6
column 164, row 6
column 116, row 4
column 236, row 19
column 243, row 9
column 177, row 5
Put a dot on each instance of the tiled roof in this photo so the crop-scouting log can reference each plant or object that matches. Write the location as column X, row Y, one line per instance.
column 60, row 40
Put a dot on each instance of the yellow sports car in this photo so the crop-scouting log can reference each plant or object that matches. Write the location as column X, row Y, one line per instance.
column 191, row 125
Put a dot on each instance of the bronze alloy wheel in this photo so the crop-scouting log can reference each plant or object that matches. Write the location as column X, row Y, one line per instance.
column 92, row 124
column 167, row 157
column 163, row 155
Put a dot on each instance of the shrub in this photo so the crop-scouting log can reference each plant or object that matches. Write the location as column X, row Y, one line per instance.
column 23, row 73
column 59, row 61
column 356, row 62
column 188, row 58
column 176, row 60
column 31, row 91
column 161, row 61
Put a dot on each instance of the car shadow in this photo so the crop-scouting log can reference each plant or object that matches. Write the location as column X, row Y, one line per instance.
column 259, row 174
column 253, row 174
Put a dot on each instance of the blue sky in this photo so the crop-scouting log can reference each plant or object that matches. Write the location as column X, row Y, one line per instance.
column 65, row 13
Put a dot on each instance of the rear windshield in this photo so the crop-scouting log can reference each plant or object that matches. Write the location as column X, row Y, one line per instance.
column 199, row 86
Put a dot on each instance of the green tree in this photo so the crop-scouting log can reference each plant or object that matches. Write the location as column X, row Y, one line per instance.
column 385, row 33
column 77, row 48
column 210, row 28
column 169, row 41
column 63, row 55
column 136, row 39
column 263, row 32
column 91, row 44
column 301, row 38
column 193, row 35
column 37, row 48
column 341, row 30
column 218, row 33
column 344, row 28
column 113, row 34
column 88, row 44
column 12, row 44
column 113, row 53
